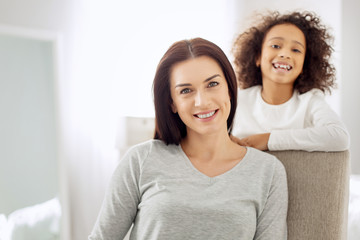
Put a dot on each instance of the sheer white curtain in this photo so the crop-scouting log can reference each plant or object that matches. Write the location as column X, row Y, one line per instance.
column 111, row 58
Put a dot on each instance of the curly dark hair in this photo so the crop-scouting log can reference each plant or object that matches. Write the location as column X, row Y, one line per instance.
column 317, row 72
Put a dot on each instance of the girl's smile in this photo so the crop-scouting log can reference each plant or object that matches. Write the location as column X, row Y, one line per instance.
column 281, row 66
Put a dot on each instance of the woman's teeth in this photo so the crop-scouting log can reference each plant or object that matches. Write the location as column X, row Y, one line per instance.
column 202, row 116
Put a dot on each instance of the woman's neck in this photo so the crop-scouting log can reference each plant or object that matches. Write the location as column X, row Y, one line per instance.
column 276, row 94
column 207, row 147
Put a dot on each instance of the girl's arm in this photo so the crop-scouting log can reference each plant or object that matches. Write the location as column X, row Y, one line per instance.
column 324, row 131
column 271, row 224
column 119, row 207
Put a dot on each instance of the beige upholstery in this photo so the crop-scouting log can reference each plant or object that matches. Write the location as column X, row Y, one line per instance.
column 318, row 184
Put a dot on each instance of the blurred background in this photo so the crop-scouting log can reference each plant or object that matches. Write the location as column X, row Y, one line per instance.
column 75, row 92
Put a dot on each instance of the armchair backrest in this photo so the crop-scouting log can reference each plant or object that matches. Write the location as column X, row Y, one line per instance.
column 318, row 184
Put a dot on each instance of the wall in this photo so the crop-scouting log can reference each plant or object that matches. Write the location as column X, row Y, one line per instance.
column 351, row 77
column 39, row 14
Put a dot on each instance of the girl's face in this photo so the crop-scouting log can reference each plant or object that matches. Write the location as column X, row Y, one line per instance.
column 282, row 54
column 200, row 95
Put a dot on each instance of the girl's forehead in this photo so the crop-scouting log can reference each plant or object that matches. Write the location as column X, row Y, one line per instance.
column 286, row 31
column 284, row 28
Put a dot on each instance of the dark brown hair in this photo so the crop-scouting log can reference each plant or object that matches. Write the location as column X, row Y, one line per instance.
column 168, row 125
column 317, row 72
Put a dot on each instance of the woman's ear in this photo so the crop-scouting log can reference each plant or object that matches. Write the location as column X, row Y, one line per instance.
column 173, row 108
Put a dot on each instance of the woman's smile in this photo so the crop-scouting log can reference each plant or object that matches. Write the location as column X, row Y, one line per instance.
column 206, row 116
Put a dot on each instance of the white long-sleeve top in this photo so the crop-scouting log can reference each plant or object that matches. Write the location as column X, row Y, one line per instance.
column 304, row 122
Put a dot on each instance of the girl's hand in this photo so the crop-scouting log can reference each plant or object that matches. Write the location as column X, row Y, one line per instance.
column 238, row 140
column 258, row 141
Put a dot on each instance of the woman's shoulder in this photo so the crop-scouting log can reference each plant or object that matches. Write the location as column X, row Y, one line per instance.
column 261, row 155
column 265, row 161
column 147, row 146
column 151, row 149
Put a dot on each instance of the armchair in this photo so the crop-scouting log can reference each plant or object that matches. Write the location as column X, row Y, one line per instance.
column 318, row 184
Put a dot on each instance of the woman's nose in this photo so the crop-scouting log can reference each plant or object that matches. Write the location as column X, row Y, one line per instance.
column 201, row 99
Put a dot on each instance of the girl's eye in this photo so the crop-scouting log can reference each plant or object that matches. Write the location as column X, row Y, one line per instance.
column 185, row 91
column 296, row 50
column 213, row 84
column 275, row 46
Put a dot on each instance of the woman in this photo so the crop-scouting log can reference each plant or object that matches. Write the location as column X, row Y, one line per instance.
column 191, row 181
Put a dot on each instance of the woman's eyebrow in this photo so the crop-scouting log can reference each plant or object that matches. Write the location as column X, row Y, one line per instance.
column 182, row 85
column 213, row 76
column 189, row 84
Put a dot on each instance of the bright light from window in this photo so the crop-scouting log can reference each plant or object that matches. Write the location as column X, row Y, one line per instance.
column 126, row 40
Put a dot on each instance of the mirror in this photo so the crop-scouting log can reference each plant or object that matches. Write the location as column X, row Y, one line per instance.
column 29, row 173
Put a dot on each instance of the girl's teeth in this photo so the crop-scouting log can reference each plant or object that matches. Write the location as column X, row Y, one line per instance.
column 205, row 115
column 287, row 67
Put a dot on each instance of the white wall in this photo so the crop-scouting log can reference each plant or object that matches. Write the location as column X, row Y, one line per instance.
column 351, row 77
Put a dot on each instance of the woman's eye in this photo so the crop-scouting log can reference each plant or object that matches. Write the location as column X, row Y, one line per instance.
column 185, row 90
column 275, row 46
column 213, row 84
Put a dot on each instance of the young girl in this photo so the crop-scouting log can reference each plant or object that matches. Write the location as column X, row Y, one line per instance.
column 192, row 181
column 283, row 71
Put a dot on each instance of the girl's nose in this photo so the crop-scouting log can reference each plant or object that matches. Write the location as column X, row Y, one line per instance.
column 284, row 54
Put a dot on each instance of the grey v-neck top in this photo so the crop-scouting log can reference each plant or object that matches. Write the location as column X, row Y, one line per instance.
column 156, row 188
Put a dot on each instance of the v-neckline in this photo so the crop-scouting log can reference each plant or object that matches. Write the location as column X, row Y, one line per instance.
column 188, row 162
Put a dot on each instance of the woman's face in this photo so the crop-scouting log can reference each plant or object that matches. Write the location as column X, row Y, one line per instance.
column 200, row 95
column 282, row 54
